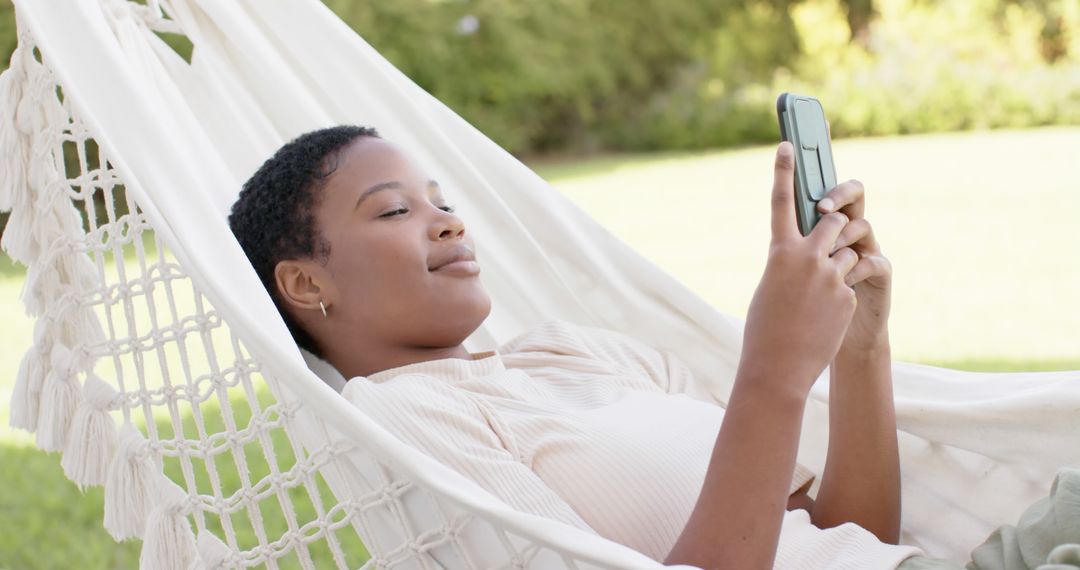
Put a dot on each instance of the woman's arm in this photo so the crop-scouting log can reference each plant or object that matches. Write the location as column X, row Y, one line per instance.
column 736, row 521
column 861, row 481
column 796, row 322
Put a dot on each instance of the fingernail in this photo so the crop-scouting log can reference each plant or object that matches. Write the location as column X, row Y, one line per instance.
column 826, row 204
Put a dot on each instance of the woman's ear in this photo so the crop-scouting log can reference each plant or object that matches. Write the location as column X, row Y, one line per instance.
column 300, row 284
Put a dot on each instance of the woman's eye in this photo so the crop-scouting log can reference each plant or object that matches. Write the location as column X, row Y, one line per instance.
column 406, row 210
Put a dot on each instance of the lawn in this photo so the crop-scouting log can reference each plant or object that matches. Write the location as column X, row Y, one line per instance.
column 979, row 227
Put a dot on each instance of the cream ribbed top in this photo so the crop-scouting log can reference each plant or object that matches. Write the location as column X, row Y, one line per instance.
column 592, row 428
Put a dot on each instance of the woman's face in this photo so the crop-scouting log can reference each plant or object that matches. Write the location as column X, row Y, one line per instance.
column 401, row 268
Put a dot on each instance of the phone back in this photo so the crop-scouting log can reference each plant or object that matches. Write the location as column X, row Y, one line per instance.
column 802, row 122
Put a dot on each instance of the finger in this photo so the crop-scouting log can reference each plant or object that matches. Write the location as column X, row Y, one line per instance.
column 828, row 129
column 845, row 259
column 828, row 230
column 784, row 225
column 867, row 267
column 858, row 234
column 848, row 197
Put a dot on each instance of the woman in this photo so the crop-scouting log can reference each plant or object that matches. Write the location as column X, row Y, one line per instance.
column 373, row 271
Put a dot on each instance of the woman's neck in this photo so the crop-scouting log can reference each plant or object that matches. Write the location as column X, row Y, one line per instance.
column 353, row 363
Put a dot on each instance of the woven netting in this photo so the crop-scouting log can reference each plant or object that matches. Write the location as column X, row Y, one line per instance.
column 140, row 383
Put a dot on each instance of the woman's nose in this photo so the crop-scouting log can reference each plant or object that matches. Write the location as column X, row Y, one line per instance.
column 449, row 227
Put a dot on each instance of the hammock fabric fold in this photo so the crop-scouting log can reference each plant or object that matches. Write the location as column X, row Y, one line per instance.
column 161, row 370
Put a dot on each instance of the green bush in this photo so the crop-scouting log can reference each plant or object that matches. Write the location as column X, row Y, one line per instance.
column 919, row 66
column 536, row 75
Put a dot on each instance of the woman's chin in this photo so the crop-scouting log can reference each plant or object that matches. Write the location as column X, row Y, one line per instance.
column 469, row 316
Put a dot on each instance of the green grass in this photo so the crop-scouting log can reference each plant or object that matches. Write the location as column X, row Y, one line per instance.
column 979, row 227
column 45, row 522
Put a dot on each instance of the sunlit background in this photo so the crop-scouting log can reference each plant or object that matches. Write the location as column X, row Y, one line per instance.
column 961, row 117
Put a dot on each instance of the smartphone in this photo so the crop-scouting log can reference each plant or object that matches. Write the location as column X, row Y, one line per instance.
column 802, row 122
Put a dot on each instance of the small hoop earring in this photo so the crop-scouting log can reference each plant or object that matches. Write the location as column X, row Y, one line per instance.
column 323, row 307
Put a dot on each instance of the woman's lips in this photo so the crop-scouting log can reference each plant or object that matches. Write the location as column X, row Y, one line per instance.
column 463, row 267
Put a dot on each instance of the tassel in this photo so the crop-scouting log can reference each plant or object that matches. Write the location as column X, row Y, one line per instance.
column 169, row 542
column 28, row 116
column 26, row 397
column 128, row 485
column 54, row 203
column 77, row 269
column 80, row 327
column 213, row 553
column 13, row 149
column 42, row 172
column 41, row 287
column 54, row 274
column 18, row 239
column 92, row 440
column 59, row 397
column 53, row 109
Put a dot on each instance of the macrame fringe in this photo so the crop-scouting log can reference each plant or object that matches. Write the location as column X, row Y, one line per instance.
column 40, row 287
column 73, row 324
column 14, row 150
column 54, row 265
column 169, row 542
column 77, row 270
column 59, row 270
column 128, row 484
column 30, row 117
column 49, row 386
column 80, row 326
column 213, row 553
column 59, row 397
column 35, row 187
column 26, row 398
column 18, row 240
column 31, row 178
column 54, row 203
column 92, row 441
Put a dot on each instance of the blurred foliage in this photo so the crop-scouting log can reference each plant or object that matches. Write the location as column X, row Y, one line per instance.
column 582, row 75
column 538, row 75
column 918, row 66
column 7, row 32
column 578, row 75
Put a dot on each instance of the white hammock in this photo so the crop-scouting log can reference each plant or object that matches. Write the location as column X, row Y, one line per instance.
column 187, row 324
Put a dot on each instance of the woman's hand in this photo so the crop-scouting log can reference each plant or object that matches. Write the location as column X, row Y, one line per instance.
column 871, row 277
column 802, row 307
column 861, row 480
column 797, row 320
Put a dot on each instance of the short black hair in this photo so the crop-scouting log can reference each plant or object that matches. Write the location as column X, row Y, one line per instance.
column 274, row 216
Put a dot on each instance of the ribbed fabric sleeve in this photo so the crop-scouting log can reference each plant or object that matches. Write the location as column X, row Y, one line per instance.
column 629, row 356
column 432, row 415
column 592, row 428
